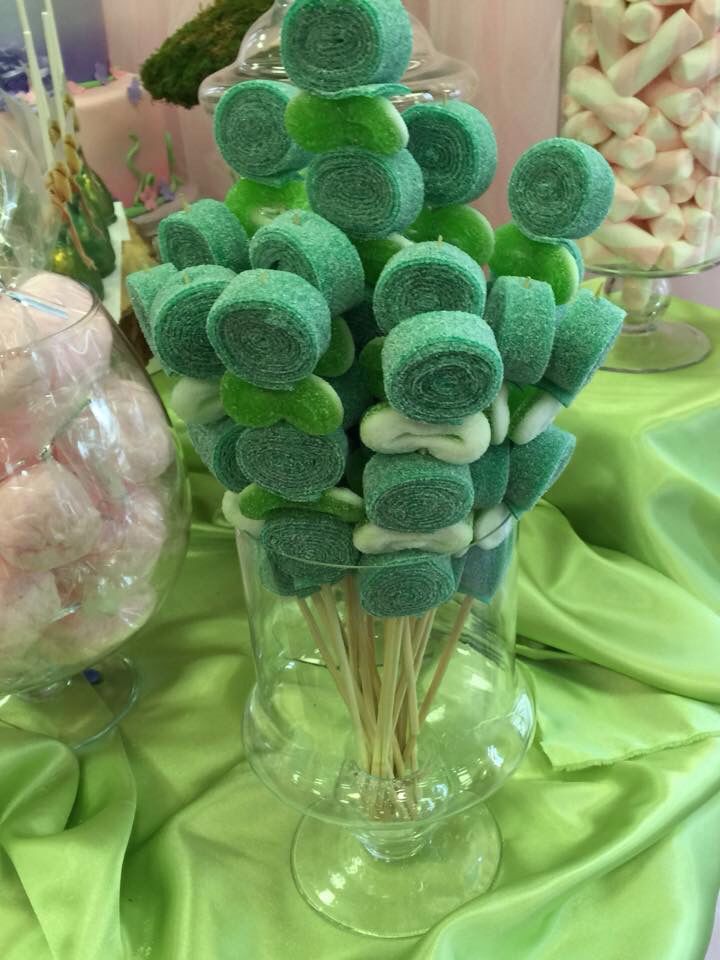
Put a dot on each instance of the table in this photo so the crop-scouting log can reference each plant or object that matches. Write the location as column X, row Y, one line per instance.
column 160, row 844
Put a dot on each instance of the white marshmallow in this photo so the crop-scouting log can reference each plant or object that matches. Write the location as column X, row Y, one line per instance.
column 607, row 19
column 630, row 242
column 670, row 226
column 654, row 202
column 580, row 46
column 703, row 139
column 633, row 153
column 588, row 128
column 679, row 256
column 706, row 14
column 685, row 190
column 595, row 254
column 699, row 66
column 707, row 195
column 670, row 166
column 641, row 21
column 645, row 63
column 682, row 106
column 595, row 92
column 664, row 134
column 577, row 12
column 625, row 203
column 635, row 294
column 570, row 106
column 699, row 225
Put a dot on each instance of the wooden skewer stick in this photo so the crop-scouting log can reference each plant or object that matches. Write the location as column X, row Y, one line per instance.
column 411, row 700
column 446, row 657
column 56, row 70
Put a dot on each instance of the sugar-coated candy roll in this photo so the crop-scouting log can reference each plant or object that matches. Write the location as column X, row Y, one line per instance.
column 250, row 131
column 340, row 354
column 516, row 255
column 292, row 464
column 257, row 503
column 179, row 321
column 311, row 405
column 405, row 584
column 455, row 147
column 197, row 401
column 414, row 493
column 371, row 539
column 371, row 363
column 521, row 314
column 376, row 254
column 320, row 125
column 425, row 278
column 314, row 548
column 464, row 227
column 303, row 243
column 277, row 580
column 257, row 204
column 354, row 393
column 485, row 570
column 362, row 322
column 561, row 189
column 207, row 232
column 142, row 287
column 384, row 430
column 490, row 476
column 367, row 195
column 586, row 330
column 46, row 518
column 217, row 446
column 536, row 466
column 270, row 328
column 441, row 367
column 330, row 45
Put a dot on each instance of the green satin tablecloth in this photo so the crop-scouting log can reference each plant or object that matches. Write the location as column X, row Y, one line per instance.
column 160, row 844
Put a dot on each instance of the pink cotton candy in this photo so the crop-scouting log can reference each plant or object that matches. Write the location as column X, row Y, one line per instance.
column 46, row 518
column 29, row 603
column 121, row 438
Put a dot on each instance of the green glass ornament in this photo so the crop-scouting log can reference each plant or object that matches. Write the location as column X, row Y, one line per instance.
column 66, row 260
column 96, row 194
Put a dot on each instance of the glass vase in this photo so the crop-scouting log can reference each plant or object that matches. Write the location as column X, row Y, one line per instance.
column 94, row 509
column 641, row 84
column 431, row 74
column 388, row 735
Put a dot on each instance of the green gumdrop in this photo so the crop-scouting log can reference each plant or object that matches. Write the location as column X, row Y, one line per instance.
column 312, row 406
column 518, row 256
column 340, row 355
column 375, row 254
column 320, row 125
column 257, row 204
column 371, row 362
column 256, row 503
column 462, row 226
column 357, row 461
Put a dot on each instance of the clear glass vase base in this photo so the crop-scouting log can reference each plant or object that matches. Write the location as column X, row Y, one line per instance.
column 396, row 899
column 78, row 711
column 658, row 348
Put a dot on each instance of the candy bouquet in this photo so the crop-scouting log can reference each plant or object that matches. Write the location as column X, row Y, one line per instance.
column 379, row 411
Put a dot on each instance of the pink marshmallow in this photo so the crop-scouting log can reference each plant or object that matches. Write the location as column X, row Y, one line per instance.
column 681, row 106
column 699, row 225
column 653, row 202
column 707, row 195
column 706, row 14
column 646, row 62
column 670, row 226
column 634, row 153
column 607, row 20
column 46, row 518
column 588, row 128
column 641, row 21
column 630, row 242
column 580, row 46
column 663, row 133
column 625, row 203
column 594, row 91
column 668, row 167
column 698, row 67
column 703, row 139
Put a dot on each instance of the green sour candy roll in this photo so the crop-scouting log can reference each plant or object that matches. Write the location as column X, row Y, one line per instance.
column 405, row 584
column 277, row 580
column 426, row 278
column 303, row 243
column 535, row 467
column 257, row 204
column 179, row 321
column 340, row 355
column 292, row 464
column 554, row 263
column 485, row 570
column 587, row 328
column 463, row 227
column 311, row 405
column 216, row 445
column 205, row 233
column 313, row 548
column 365, row 194
column 250, row 131
column 441, row 367
column 143, row 286
column 362, row 322
column 522, row 316
column 561, row 189
column 415, row 493
column 320, row 125
column 371, row 362
column 355, row 394
column 270, row 328
column 490, row 475
column 330, row 45
column 455, row 146
column 375, row 254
